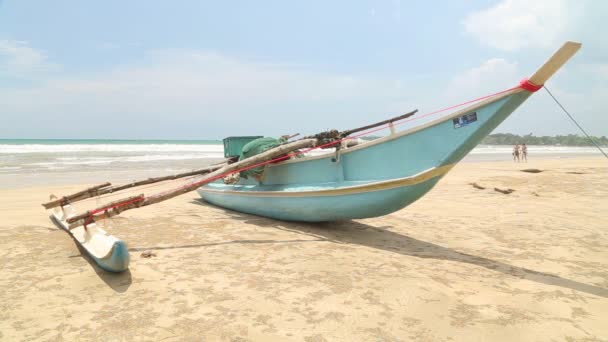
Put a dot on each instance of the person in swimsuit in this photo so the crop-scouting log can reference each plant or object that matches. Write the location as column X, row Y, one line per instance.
column 524, row 152
column 516, row 153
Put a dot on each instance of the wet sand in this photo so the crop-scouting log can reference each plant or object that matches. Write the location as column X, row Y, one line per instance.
column 460, row 264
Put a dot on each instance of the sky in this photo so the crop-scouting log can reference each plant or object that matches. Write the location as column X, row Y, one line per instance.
column 206, row 70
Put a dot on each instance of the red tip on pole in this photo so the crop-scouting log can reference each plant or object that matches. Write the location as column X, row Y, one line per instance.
column 525, row 84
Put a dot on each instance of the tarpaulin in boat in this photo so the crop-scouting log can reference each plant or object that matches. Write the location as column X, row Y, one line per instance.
column 256, row 147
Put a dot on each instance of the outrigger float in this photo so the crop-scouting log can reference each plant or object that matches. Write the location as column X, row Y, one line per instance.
column 282, row 181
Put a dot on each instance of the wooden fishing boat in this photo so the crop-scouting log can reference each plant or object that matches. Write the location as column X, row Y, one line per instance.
column 383, row 175
column 360, row 181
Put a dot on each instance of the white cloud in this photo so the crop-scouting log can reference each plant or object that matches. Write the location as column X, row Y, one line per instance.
column 190, row 93
column 545, row 24
column 596, row 69
column 179, row 77
column 17, row 58
column 199, row 87
column 514, row 24
column 539, row 114
column 490, row 76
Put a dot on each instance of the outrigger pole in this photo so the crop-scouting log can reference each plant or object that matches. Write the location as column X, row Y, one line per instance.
column 117, row 207
column 106, row 188
column 78, row 196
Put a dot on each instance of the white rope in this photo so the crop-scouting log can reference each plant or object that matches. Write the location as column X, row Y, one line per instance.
column 576, row 123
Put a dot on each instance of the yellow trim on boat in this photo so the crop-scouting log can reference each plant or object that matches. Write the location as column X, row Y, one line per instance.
column 356, row 189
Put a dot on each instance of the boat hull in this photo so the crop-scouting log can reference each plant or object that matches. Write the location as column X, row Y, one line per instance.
column 342, row 186
column 369, row 200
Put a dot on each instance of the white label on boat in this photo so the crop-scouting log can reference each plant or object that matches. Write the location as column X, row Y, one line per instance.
column 465, row 120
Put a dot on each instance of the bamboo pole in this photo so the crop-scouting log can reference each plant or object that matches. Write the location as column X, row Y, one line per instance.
column 104, row 189
column 91, row 216
column 170, row 177
column 80, row 195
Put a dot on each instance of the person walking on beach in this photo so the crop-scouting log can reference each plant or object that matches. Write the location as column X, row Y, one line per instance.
column 516, row 153
column 524, row 152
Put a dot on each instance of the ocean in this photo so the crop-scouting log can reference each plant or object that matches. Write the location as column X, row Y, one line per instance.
column 40, row 156
column 32, row 156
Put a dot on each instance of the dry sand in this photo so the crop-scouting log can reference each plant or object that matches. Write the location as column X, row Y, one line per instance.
column 461, row 264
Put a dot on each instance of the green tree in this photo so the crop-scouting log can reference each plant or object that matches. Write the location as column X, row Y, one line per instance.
column 530, row 139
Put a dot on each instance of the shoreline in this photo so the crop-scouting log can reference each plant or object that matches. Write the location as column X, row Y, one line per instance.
column 14, row 179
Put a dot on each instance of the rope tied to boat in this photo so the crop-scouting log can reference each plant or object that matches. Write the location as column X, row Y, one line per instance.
column 576, row 122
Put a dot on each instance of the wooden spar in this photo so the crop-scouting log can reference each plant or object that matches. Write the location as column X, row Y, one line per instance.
column 287, row 137
column 377, row 124
column 91, row 216
column 170, row 177
column 559, row 58
column 80, row 195
column 328, row 137
column 135, row 200
column 104, row 189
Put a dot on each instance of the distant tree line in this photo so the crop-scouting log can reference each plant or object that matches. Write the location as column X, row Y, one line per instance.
column 529, row 139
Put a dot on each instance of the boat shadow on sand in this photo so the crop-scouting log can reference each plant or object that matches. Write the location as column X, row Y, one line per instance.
column 119, row 282
column 353, row 232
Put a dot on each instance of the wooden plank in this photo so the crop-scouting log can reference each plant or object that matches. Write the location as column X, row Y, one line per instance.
column 553, row 64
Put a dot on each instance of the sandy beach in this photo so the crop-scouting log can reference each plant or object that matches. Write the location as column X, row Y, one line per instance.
column 461, row 264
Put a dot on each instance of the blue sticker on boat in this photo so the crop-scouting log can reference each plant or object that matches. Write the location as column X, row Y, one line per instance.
column 465, row 120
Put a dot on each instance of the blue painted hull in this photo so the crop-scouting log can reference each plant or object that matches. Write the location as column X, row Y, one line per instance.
column 117, row 261
column 352, row 185
column 324, row 208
